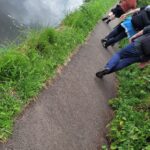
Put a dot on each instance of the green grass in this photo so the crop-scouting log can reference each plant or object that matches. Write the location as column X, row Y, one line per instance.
column 130, row 127
column 25, row 68
column 143, row 2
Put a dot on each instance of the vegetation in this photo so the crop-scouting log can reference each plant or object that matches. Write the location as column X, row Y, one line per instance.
column 130, row 128
column 143, row 2
column 25, row 68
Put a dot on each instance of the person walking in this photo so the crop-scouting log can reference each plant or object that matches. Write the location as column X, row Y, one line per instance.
column 121, row 8
column 129, row 27
column 137, row 51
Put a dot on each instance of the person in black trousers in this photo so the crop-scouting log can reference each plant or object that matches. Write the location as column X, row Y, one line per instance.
column 129, row 27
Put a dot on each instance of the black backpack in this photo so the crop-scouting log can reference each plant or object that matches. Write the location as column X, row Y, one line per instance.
column 141, row 19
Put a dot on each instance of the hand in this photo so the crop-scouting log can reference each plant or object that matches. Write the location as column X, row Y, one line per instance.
column 131, row 39
column 123, row 16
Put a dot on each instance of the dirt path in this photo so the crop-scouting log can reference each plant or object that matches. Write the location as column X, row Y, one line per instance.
column 73, row 112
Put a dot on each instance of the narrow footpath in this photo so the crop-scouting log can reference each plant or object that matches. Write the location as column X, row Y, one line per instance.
column 72, row 113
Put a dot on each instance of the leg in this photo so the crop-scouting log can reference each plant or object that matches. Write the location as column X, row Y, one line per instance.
column 129, row 57
column 116, row 39
column 108, row 21
column 125, row 62
column 108, row 17
column 111, row 17
column 105, row 18
column 121, row 59
column 120, row 64
column 115, row 32
column 126, row 52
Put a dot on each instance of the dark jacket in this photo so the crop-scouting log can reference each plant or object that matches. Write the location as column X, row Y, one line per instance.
column 141, row 19
column 146, row 33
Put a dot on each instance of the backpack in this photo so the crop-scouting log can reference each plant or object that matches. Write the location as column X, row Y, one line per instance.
column 145, row 45
column 141, row 19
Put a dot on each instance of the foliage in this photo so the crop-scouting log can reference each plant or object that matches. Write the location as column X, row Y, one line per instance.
column 25, row 68
column 143, row 2
column 87, row 1
column 130, row 129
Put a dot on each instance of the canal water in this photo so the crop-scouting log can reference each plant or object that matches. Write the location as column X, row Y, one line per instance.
column 17, row 15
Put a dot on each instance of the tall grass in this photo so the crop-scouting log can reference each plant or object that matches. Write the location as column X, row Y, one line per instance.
column 25, row 68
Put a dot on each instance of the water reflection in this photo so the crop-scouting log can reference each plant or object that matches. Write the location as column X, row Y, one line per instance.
column 16, row 14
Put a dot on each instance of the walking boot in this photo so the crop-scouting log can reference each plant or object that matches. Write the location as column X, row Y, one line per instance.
column 100, row 74
column 108, row 21
column 105, row 18
column 104, row 43
column 103, row 40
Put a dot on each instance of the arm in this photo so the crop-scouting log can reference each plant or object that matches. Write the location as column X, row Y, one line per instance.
column 129, row 13
column 146, row 30
column 133, row 11
column 136, row 36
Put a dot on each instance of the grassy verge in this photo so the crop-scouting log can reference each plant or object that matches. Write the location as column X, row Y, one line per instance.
column 25, row 68
column 130, row 128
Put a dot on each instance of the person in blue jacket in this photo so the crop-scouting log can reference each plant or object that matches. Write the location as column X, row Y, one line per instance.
column 129, row 26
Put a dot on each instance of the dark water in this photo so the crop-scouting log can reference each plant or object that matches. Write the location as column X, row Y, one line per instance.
column 17, row 15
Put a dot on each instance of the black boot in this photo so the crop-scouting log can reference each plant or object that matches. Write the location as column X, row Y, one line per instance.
column 104, row 43
column 108, row 21
column 103, row 40
column 105, row 18
column 100, row 74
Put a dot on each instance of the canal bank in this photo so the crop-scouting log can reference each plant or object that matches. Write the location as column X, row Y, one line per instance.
column 72, row 113
column 25, row 69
